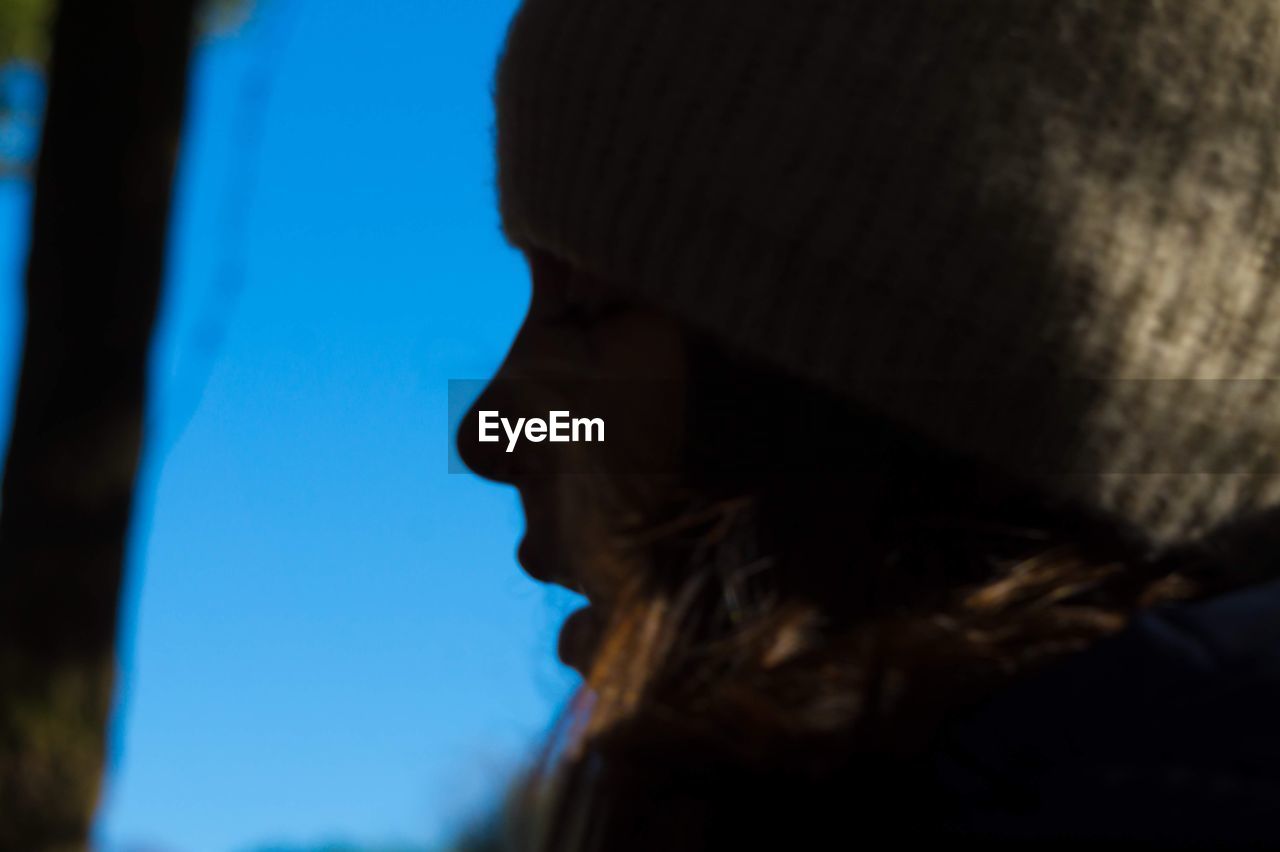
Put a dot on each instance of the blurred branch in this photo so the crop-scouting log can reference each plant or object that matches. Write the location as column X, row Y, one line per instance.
column 116, row 97
column 10, row 170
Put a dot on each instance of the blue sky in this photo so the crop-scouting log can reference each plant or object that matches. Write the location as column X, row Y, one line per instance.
column 327, row 635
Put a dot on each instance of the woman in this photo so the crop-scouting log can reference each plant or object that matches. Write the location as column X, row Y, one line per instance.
column 936, row 355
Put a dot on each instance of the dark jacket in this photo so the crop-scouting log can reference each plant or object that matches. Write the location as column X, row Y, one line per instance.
column 1165, row 735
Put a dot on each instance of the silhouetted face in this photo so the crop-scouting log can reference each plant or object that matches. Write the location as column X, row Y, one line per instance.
column 584, row 350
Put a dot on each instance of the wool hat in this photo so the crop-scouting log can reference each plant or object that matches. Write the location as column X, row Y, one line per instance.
column 1041, row 233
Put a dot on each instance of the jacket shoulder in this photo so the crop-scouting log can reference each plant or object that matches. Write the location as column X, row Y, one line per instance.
column 1165, row 734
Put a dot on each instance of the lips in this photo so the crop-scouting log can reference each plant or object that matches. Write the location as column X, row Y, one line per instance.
column 583, row 629
column 533, row 561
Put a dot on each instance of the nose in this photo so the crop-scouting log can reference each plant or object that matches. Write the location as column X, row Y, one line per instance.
column 488, row 460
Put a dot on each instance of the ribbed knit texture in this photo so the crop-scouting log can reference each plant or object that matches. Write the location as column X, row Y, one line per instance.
column 1045, row 233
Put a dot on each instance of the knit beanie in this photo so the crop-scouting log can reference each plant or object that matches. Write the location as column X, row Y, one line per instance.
column 1041, row 233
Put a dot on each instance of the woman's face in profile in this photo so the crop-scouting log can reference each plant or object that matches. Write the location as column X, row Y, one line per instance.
column 586, row 350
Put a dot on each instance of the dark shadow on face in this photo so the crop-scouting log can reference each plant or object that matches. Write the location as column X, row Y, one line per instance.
column 584, row 349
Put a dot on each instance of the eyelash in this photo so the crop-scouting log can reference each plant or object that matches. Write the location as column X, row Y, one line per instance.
column 572, row 313
column 579, row 314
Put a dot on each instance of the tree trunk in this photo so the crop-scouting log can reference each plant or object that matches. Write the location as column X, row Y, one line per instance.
column 117, row 90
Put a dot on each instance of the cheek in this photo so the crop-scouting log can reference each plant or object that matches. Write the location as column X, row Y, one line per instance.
column 640, row 344
column 642, row 380
column 584, row 500
column 596, row 523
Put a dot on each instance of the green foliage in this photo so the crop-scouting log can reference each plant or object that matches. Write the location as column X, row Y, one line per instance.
column 24, row 25
column 25, row 39
column 51, row 748
column 24, row 30
column 219, row 16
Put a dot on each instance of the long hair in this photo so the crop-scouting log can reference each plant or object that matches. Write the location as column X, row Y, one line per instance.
column 757, row 682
